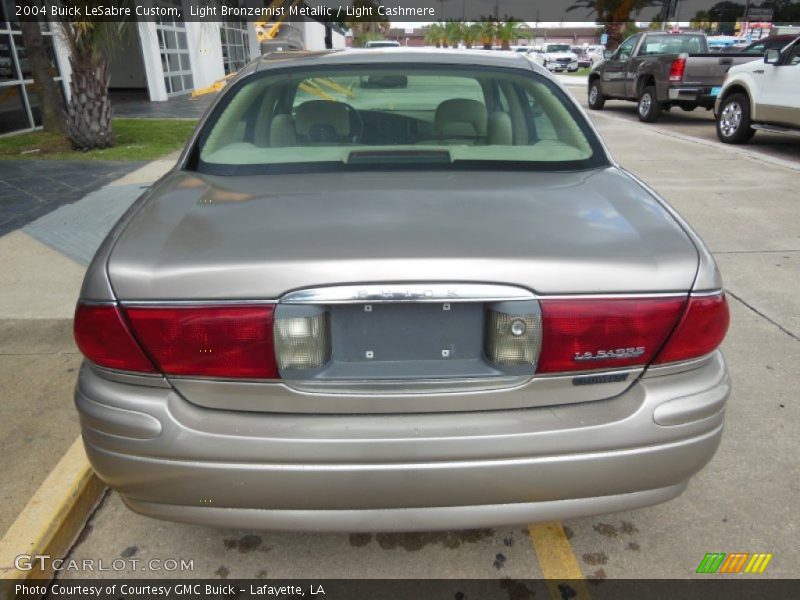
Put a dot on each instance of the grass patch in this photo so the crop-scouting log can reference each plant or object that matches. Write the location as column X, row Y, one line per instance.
column 137, row 139
column 580, row 72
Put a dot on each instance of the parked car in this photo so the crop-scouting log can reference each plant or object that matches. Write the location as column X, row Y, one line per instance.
column 773, row 42
column 659, row 70
column 761, row 95
column 556, row 57
column 585, row 58
column 435, row 306
column 382, row 44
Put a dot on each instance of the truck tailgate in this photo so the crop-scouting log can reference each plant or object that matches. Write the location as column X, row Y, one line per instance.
column 709, row 69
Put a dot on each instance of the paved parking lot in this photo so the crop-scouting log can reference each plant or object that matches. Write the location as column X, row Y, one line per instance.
column 744, row 203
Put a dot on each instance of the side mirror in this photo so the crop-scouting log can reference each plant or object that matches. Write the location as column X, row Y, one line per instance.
column 608, row 54
column 772, row 56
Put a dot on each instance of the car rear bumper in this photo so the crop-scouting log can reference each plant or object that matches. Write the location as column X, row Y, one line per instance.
column 695, row 95
column 174, row 460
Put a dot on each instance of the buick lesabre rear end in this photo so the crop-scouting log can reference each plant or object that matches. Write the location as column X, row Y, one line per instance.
column 398, row 290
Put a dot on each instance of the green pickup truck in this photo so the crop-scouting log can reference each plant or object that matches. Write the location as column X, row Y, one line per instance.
column 660, row 70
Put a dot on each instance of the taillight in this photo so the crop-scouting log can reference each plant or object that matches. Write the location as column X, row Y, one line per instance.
column 208, row 341
column 586, row 334
column 700, row 331
column 677, row 68
column 104, row 338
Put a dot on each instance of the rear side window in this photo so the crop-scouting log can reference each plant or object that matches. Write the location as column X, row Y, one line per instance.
column 388, row 117
column 672, row 44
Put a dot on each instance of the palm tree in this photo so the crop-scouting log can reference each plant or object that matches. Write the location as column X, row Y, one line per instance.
column 434, row 34
column 367, row 28
column 91, row 45
column 470, row 33
column 453, row 33
column 486, row 33
column 509, row 31
column 42, row 70
column 614, row 14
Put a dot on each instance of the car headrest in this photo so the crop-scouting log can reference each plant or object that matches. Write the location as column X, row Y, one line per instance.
column 281, row 132
column 322, row 114
column 500, row 130
column 460, row 116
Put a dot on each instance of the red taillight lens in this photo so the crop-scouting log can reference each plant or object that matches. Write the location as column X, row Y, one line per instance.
column 579, row 335
column 700, row 331
column 208, row 341
column 676, row 69
column 103, row 338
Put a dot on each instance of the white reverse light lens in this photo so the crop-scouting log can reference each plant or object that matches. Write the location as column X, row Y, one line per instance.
column 513, row 339
column 302, row 342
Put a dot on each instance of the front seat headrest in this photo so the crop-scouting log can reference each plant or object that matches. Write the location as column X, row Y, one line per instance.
column 460, row 117
column 322, row 116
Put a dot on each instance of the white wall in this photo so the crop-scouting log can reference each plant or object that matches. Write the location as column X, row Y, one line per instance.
column 255, row 46
column 151, row 57
column 205, row 52
column 338, row 40
column 313, row 34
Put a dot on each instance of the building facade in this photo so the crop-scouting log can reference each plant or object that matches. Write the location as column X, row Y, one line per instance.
column 156, row 60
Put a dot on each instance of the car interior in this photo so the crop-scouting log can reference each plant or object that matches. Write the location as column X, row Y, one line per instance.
column 341, row 112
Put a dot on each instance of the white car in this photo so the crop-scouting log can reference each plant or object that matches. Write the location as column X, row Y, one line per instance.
column 761, row 95
column 556, row 57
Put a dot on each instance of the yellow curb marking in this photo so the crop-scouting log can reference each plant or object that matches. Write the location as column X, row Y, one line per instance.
column 53, row 517
column 557, row 560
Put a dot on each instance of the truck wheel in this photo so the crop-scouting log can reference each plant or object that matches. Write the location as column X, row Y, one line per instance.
column 733, row 120
column 596, row 98
column 649, row 107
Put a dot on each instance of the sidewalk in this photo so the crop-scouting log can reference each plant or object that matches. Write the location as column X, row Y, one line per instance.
column 40, row 278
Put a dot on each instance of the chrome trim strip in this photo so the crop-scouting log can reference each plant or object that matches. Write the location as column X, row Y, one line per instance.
column 376, row 294
column 412, row 292
column 622, row 295
column 680, row 366
column 705, row 294
column 392, row 387
column 242, row 302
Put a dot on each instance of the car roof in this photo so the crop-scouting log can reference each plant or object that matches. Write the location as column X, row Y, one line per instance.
column 404, row 56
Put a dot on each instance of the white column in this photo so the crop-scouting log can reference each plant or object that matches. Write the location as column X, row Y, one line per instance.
column 62, row 58
column 151, row 56
column 255, row 46
column 205, row 52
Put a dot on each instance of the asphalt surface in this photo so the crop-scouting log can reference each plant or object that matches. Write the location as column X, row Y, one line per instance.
column 32, row 188
column 744, row 203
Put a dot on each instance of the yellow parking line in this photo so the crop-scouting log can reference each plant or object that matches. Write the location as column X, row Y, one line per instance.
column 54, row 516
column 557, row 560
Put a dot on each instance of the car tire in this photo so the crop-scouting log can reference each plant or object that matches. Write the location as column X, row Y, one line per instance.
column 733, row 120
column 649, row 108
column 596, row 98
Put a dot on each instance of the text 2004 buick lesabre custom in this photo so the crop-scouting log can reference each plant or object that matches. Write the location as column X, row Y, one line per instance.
column 396, row 290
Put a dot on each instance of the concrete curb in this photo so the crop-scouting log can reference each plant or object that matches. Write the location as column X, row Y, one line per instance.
column 53, row 518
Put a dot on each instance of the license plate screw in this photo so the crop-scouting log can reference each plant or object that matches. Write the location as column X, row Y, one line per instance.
column 446, row 306
column 368, row 308
column 369, row 354
column 445, row 353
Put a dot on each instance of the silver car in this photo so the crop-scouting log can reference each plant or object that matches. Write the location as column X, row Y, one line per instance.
column 428, row 301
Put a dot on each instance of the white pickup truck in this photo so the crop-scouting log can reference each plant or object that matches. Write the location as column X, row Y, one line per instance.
column 761, row 95
column 556, row 57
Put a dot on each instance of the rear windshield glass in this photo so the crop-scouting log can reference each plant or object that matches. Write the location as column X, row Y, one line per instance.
column 673, row 44
column 359, row 118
